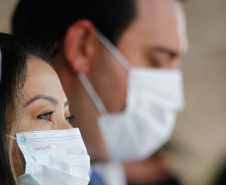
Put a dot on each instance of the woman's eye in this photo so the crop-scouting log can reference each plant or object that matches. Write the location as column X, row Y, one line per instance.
column 46, row 116
column 70, row 118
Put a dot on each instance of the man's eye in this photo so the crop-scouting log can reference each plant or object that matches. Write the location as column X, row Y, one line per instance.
column 70, row 118
column 155, row 63
column 46, row 115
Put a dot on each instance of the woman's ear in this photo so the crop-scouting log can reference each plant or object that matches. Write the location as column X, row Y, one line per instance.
column 75, row 45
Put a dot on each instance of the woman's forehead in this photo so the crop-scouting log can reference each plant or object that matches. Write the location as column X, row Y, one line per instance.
column 42, row 79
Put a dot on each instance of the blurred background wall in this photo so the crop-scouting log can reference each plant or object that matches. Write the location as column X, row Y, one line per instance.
column 199, row 140
column 201, row 127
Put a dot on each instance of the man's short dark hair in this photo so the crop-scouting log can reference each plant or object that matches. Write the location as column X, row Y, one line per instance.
column 46, row 21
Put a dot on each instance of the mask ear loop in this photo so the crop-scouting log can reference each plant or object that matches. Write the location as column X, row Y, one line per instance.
column 117, row 54
column 92, row 93
column 11, row 137
column 85, row 81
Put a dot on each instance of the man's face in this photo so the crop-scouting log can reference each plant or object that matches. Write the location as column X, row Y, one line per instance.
column 157, row 36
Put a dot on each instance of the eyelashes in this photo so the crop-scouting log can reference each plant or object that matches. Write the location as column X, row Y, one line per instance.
column 47, row 116
column 70, row 119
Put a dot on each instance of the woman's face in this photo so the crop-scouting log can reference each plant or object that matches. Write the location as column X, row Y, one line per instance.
column 45, row 106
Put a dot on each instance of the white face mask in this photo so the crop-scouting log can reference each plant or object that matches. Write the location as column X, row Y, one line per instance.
column 54, row 157
column 154, row 96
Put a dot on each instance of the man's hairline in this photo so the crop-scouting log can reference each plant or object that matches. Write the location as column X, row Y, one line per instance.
column 60, row 41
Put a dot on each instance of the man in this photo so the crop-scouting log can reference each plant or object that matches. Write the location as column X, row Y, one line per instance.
column 94, row 74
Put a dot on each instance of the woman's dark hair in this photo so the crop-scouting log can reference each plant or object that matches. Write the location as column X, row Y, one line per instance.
column 13, row 75
column 46, row 21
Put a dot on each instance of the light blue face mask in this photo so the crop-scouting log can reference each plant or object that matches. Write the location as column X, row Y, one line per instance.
column 54, row 157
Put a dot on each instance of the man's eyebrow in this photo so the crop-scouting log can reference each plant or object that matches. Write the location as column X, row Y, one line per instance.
column 172, row 53
column 66, row 103
column 51, row 99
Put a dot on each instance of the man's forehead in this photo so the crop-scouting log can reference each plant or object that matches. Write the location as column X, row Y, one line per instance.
column 162, row 22
column 158, row 9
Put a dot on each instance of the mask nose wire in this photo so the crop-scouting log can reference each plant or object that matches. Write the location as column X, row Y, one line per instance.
column 123, row 61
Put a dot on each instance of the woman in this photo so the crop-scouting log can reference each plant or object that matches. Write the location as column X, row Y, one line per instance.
column 38, row 144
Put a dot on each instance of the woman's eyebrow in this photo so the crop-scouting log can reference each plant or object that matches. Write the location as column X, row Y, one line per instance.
column 51, row 99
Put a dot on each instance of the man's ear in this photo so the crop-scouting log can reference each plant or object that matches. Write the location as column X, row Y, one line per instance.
column 75, row 45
